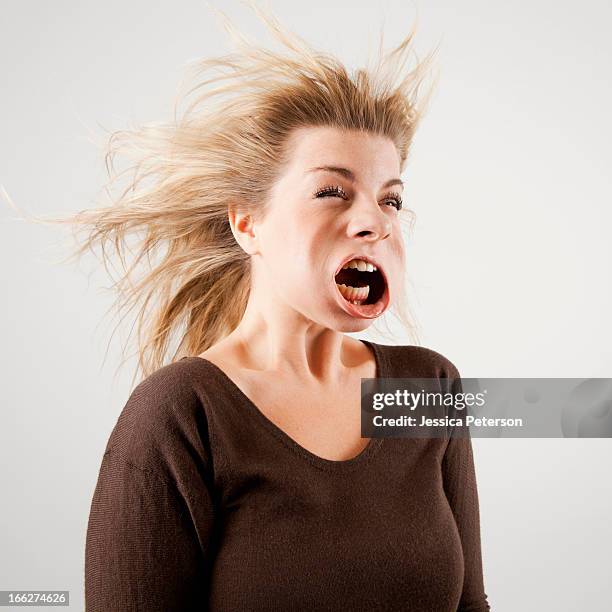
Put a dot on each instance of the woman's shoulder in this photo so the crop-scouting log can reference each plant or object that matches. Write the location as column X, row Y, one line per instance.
column 407, row 360
column 163, row 418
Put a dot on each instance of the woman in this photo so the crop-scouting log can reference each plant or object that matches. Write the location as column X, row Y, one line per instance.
column 236, row 477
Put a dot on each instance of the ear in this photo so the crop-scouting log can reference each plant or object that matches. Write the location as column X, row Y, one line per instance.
column 242, row 225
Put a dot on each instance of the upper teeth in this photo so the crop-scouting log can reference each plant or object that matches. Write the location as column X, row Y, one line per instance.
column 362, row 266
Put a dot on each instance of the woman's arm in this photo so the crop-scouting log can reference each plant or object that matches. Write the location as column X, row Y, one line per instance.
column 459, row 477
column 151, row 520
column 144, row 550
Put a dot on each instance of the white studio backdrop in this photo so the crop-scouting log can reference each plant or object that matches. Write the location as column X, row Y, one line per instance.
column 509, row 262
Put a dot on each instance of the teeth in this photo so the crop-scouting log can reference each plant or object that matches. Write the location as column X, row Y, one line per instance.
column 356, row 295
column 362, row 266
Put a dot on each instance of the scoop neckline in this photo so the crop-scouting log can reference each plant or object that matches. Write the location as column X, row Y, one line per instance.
column 364, row 455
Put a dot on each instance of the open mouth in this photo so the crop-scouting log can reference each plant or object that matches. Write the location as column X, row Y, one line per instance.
column 361, row 284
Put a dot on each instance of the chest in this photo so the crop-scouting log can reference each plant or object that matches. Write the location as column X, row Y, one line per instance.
column 326, row 421
column 378, row 537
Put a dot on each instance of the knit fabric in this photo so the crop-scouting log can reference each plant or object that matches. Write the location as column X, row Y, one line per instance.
column 203, row 503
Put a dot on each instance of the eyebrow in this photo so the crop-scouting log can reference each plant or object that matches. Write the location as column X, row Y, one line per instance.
column 350, row 175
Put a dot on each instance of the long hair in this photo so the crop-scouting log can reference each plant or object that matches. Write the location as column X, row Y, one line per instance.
column 180, row 264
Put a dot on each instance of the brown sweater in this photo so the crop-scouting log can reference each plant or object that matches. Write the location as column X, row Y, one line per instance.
column 202, row 503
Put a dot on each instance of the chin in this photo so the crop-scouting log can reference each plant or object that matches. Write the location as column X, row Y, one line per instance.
column 349, row 325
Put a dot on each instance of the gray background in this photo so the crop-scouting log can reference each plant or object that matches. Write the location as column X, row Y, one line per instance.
column 509, row 262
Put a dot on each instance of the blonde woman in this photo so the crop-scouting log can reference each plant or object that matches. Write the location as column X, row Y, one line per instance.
column 269, row 215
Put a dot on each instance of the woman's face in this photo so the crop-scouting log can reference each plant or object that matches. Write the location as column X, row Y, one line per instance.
column 336, row 203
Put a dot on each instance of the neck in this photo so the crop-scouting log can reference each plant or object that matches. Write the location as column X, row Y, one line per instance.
column 275, row 338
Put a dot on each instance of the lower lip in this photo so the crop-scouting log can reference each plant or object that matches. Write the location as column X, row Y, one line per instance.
column 365, row 311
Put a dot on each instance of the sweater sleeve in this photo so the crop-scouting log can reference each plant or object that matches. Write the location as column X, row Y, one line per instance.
column 142, row 549
column 151, row 516
column 460, row 486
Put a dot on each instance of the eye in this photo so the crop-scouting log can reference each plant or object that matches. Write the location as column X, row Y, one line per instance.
column 331, row 190
column 395, row 199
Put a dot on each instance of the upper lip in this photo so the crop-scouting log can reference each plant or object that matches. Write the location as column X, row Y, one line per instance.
column 367, row 258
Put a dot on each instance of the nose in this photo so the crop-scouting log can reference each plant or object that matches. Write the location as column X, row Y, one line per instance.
column 367, row 221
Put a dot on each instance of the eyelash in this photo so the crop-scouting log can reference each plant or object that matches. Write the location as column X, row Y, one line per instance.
column 337, row 190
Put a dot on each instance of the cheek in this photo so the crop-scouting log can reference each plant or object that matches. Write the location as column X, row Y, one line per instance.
column 278, row 235
column 401, row 253
column 288, row 246
column 399, row 259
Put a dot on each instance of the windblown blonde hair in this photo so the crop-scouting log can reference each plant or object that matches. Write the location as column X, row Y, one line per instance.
column 228, row 147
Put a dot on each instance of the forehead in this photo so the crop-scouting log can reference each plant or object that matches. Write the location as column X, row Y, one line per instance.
column 372, row 157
